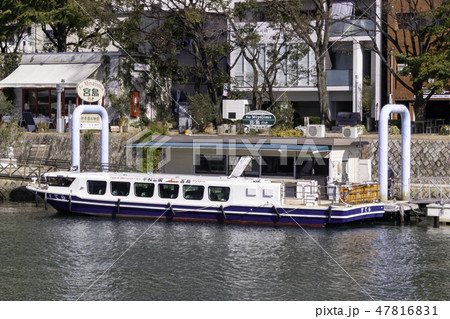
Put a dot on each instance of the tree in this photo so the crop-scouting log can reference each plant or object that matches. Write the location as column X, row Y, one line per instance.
column 277, row 56
column 15, row 18
column 312, row 26
column 418, row 32
column 75, row 24
column 10, row 132
column 185, row 41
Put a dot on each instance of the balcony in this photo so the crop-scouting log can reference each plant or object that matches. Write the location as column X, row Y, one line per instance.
column 353, row 27
column 339, row 77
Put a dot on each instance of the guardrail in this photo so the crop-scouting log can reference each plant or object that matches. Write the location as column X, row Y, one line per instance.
column 12, row 168
column 339, row 193
column 430, row 188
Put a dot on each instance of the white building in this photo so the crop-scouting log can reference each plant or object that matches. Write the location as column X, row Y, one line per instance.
column 349, row 60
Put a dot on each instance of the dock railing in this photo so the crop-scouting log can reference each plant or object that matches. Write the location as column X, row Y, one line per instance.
column 430, row 189
column 314, row 194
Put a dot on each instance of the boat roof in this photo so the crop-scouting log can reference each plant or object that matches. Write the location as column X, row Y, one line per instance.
column 247, row 142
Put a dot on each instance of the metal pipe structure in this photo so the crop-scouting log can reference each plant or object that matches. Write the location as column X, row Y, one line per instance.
column 383, row 131
column 59, row 119
column 104, row 137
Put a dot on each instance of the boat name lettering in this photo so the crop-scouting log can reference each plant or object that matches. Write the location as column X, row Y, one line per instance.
column 365, row 209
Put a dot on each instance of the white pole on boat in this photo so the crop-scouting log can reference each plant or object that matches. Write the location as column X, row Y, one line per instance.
column 383, row 131
column 104, row 137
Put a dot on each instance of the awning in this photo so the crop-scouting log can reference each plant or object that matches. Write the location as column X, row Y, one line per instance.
column 48, row 75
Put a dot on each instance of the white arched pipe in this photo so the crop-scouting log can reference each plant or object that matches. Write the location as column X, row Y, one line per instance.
column 104, row 138
column 383, row 131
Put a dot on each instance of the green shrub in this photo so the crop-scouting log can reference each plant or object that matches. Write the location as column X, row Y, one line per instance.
column 285, row 133
column 283, row 112
column 363, row 128
column 445, row 130
column 394, row 130
column 201, row 109
column 42, row 127
column 314, row 120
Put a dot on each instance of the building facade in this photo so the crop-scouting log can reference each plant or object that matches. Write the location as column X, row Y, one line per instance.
column 350, row 59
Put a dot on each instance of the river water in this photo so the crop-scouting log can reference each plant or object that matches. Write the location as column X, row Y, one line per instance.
column 45, row 255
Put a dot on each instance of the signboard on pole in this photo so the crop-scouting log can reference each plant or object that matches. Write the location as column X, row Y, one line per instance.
column 259, row 119
column 90, row 122
column 90, row 90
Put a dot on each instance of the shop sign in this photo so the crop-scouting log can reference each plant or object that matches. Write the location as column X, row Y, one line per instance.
column 90, row 90
column 259, row 119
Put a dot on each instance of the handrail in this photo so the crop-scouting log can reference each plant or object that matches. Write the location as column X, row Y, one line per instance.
column 338, row 194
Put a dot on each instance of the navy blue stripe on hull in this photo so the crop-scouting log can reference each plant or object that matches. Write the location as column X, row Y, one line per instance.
column 229, row 214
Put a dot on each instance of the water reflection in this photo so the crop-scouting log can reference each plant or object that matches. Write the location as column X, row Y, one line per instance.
column 50, row 256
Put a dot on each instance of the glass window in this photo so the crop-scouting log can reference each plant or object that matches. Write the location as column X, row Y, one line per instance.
column 168, row 190
column 218, row 193
column 277, row 166
column 96, row 187
column 144, row 189
column 193, row 192
column 29, row 101
column 210, row 164
column 43, row 102
column 120, row 188
column 60, row 181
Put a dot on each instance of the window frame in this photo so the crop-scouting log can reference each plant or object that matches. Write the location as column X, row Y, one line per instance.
column 112, row 188
column 152, row 187
column 96, row 181
column 177, row 187
column 224, row 199
column 187, row 188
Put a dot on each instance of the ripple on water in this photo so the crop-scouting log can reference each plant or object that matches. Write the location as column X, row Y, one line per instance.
column 50, row 256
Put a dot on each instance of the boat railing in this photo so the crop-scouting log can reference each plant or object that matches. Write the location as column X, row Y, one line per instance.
column 311, row 194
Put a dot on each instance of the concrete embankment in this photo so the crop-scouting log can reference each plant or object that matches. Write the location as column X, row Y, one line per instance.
column 37, row 147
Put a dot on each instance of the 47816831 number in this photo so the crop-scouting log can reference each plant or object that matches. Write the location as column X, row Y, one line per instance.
column 407, row 310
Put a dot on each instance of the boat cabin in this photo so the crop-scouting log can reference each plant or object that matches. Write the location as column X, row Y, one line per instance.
column 327, row 160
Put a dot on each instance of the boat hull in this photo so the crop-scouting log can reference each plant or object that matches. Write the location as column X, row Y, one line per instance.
column 312, row 216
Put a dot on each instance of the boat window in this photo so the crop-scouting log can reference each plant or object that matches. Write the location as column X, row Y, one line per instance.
column 120, row 188
column 218, row 193
column 96, row 187
column 193, row 192
column 144, row 189
column 168, row 190
column 60, row 181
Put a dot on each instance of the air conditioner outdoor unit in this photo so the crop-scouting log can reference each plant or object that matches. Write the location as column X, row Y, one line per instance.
column 351, row 132
column 315, row 130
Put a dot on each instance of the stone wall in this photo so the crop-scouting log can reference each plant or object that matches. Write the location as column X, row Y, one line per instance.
column 59, row 147
column 430, row 157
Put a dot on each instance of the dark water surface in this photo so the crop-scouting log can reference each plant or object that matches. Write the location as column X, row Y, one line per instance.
column 45, row 255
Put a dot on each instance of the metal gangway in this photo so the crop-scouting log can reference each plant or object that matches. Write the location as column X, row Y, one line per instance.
column 430, row 189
